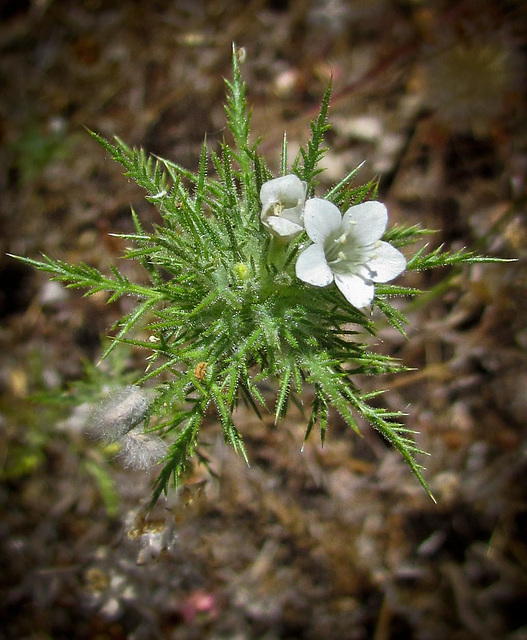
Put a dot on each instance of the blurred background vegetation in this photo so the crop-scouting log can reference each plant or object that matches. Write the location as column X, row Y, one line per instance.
column 336, row 543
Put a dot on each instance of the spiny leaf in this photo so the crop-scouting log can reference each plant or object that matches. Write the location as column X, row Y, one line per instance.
column 315, row 151
column 283, row 396
column 179, row 453
column 441, row 258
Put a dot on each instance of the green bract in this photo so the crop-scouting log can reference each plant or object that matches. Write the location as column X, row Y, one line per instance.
column 224, row 306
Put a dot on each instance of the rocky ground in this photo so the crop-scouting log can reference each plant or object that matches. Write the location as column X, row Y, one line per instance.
column 334, row 543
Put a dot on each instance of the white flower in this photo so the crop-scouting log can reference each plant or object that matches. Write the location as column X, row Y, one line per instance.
column 348, row 249
column 282, row 206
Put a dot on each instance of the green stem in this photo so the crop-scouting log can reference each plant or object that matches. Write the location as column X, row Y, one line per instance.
column 276, row 253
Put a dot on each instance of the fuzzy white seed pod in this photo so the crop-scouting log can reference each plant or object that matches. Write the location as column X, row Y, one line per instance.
column 122, row 410
column 140, row 450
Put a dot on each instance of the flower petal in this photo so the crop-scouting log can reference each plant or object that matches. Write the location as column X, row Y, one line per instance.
column 356, row 290
column 282, row 227
column 311, row 266
column 369, row 221
column 294, row 214
column 321, row 217
column 288, row 190
column 386, row 262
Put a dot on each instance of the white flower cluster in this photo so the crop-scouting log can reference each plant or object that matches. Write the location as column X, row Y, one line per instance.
column 119, row 418
column 346, row 249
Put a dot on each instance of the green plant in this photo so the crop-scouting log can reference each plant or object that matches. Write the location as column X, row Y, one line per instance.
column 237, row 295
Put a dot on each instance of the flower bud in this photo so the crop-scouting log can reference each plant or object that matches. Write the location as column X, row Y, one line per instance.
column 122, row 410
column 242, row 271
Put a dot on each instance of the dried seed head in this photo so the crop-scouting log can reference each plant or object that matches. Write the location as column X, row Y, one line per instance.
column 470, row 84
column 122, row 410
column 140, row 450
column 200, row 370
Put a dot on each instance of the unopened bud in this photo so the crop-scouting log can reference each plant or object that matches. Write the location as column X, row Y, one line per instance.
column 242, row 271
